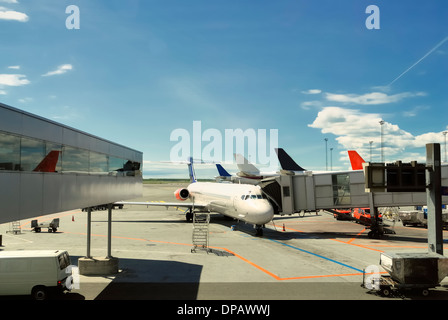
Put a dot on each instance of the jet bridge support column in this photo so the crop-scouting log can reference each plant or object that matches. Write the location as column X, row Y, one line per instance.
column 375, row 230
column 89, row 231
column 109, row 231
column 434, row 198
column 98, row 266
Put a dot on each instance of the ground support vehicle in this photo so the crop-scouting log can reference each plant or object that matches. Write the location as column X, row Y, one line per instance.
column 38, row 273
column 387, row 286
column 52, row 226
column 416, row 272
column 342, row 214
column 419, row 218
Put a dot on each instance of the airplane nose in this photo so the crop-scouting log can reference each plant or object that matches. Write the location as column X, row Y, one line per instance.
column 262, row 214
column 269, row 212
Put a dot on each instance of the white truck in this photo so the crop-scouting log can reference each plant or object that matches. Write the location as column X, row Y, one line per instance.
column 34, row 272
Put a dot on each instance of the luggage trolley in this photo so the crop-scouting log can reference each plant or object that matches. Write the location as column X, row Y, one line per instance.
column 52, row 226
column 409, row 271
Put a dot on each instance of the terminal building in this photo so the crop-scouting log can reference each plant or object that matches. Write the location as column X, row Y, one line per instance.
column 47, row 167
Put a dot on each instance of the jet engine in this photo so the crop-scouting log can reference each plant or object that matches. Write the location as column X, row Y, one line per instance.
column 182, row 194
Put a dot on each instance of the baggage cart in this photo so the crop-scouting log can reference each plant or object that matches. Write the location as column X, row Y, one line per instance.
column 408, row 271
column 52, row 226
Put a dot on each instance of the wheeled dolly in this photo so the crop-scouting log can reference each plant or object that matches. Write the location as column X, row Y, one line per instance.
column 387, row 286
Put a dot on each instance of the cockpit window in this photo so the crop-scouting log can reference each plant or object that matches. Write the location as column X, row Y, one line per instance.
column 253, row 196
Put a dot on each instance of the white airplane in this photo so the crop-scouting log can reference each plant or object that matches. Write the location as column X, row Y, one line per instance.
column 252, row 175
column 239, row 201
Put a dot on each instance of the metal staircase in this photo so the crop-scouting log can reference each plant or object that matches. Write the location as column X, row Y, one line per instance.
column 201, row 221
column 15, row 228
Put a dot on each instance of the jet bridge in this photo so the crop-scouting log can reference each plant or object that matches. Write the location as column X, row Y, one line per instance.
column 310, row 191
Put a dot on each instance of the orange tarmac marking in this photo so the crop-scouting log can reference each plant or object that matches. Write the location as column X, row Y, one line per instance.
column 354, row 238
column 357, row 245
column 234, row 254
column 249, row 262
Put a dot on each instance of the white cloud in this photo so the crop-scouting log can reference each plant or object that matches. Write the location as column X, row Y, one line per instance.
column 354, row 129
column 60, row 70
column 13, row 80
column 307, row 105
column 7, row 14
column 14, row 67
column 65, row 114
column 3, row 92
column 371, row 98
column 25, row 100
column 312, row 91
column 414, row 111
column 9, row 1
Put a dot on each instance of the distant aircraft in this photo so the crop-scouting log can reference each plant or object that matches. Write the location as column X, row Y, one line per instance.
column 48, row 164
column 248, row 170
column 355, row 160
column 286, row 162
column 226, row 176
column 239, row 201
column 252, row 175
column 248, row 173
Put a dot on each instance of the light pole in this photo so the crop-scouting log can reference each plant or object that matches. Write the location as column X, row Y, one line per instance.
column 444, row 134
column 370, row 142
column 382, row 153
column 331, row 159
column 326, row 154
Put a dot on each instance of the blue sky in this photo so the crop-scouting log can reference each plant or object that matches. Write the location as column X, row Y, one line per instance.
column 137, row 70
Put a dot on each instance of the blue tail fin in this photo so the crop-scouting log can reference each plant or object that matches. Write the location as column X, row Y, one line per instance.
column 222, row 171
column 191, row 170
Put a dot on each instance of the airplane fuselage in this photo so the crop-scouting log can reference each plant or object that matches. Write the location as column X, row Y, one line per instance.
column 240, row 201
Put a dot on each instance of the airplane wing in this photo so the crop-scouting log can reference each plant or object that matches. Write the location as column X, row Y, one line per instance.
column 165, row 204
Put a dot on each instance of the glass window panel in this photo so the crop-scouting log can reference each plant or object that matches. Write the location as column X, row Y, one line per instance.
column 98, row 163
column 341, row 189
column 115, row 164
column 9, row 152
column 32, row 152
column 75, row 160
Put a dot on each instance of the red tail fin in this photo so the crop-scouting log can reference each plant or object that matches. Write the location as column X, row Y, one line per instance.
column 48, row 164
column 355, row 160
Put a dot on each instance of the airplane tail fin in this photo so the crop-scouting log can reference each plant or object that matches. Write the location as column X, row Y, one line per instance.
column 191, row 170
column 355, row 159
column 286, row 162
column 245, row 166
column 222, row 172
column 48, row 164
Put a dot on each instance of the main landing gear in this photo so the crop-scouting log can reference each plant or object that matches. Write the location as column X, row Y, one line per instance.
column 259, row 230
column 189, row 215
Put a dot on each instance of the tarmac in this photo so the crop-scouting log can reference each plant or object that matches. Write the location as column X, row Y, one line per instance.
column 308, row 256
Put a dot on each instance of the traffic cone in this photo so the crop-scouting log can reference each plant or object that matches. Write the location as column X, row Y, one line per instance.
column 284, row 227
column 73, row 218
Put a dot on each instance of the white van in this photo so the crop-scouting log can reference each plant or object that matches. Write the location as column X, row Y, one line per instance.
column 33, row 272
